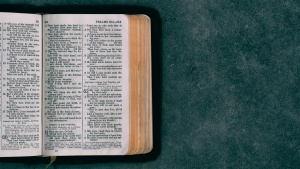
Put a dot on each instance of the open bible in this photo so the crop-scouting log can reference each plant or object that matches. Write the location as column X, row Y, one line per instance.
column 75, row 84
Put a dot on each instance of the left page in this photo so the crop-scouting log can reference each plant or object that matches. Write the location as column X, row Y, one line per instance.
column 20, row 84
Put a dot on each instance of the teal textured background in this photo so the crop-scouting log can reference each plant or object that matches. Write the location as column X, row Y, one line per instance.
column 225, row 83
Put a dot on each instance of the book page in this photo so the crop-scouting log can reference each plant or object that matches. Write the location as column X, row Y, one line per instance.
column 20, row 81
column 86, row 85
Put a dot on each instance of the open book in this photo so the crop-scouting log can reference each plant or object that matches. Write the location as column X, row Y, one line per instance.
column 75, row 84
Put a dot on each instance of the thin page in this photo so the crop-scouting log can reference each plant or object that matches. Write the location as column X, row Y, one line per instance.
column 20, row 84
column 86, row 85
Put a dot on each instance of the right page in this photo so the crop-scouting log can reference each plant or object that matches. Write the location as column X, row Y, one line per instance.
column 86, row 81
